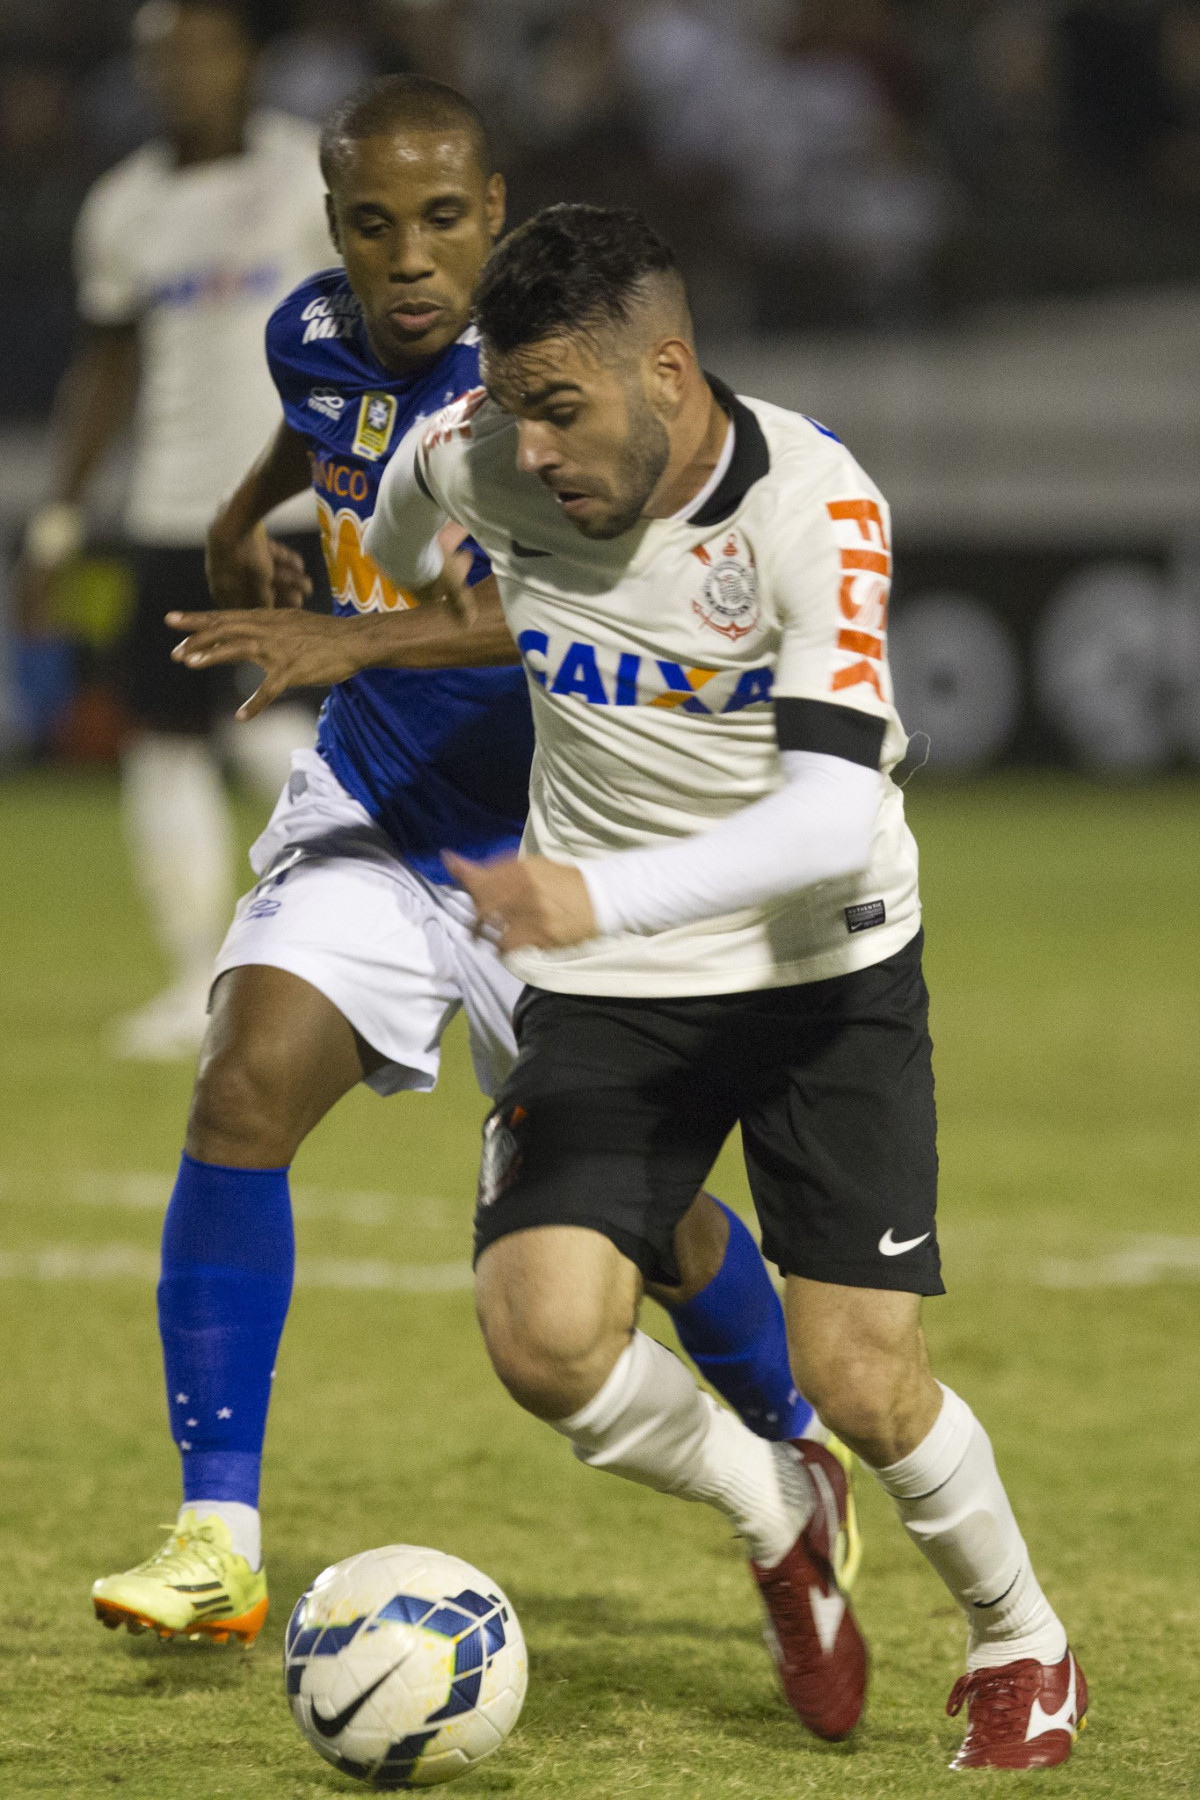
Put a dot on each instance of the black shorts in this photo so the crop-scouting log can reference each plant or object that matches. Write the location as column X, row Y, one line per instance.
column 616, row 1110
column 162, row 695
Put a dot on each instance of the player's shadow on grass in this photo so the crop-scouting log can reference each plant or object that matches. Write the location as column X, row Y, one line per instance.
column 157, row 1670
column 589, row 1644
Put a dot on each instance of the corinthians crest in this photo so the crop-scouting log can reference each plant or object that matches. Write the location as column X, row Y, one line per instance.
column 728, row 601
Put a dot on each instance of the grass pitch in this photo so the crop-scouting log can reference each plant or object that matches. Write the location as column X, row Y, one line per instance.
column 1065, row 972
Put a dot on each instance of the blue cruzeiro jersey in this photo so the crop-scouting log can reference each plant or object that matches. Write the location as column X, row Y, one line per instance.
column 439, row 757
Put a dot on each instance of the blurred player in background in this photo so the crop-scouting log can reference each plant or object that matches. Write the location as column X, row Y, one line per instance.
column 356, row 949
column 183, row 250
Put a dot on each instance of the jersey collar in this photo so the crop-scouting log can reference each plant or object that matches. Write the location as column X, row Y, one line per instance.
column 751, row 459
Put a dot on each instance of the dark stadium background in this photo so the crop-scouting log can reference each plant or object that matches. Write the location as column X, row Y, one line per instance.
column 964, row 233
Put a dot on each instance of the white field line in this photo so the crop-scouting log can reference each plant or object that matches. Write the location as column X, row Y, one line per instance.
column 1141, row 1262
column 123, row 1262
column 140, row 1191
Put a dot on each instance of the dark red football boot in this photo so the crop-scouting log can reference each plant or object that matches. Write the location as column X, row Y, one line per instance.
column 811, row 1632
column 1023, row 1715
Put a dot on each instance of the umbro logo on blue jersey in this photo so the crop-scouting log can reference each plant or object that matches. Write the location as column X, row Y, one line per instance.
column 327, row 401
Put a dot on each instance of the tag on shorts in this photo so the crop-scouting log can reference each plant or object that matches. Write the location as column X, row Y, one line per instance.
column 866, row 915
column 376, row 419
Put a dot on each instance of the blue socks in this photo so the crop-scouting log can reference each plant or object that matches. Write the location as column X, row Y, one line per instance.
column 734, row 1333
column 228, row 1257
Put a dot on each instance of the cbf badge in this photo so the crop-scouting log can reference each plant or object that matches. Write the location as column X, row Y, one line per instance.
column 376, row 420
column 728, row 601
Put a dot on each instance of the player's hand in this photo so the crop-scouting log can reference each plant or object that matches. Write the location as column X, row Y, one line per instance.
column 527, row 900
column 254, row 570
column 451, row 587
column 293, row 648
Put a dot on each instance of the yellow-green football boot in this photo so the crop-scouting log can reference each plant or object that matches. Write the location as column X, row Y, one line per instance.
column 196, row 1585
column 847, row 1558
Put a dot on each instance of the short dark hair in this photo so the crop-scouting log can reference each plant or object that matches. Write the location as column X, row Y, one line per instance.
column 570, row 268
column 400, row 103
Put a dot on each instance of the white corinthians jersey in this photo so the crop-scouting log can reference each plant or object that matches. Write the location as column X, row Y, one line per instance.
column 654, row 660
column 199, row 258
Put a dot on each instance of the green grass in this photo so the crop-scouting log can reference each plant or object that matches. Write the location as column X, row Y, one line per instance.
column 1066, row 978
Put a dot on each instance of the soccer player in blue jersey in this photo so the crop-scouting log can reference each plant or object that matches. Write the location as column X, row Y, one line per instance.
column 348, row 960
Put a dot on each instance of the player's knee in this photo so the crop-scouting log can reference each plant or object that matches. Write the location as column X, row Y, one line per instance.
column 866, row 1397
column 239, row 1113
column 552, row 1355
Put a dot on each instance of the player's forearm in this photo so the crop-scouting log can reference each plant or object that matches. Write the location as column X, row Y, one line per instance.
column 94, row 402
column 819, row 827
column 281, row 471
column 433, row 637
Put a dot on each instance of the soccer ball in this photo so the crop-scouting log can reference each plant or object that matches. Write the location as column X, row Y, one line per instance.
column 404, row 1667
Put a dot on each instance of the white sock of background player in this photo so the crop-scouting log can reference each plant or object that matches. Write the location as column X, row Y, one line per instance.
column 180, row 835
column 954, row 1508
column 261, row 748
column 652, row 1424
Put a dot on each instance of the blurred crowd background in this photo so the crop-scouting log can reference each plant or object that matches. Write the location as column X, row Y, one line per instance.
column 866, row 194
column 837, row 163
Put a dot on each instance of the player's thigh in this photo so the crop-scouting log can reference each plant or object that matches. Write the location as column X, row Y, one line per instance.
column 277, row 1056
column 160, row 694
column 840, row 1130
column 609, row 1122
column 362, row 932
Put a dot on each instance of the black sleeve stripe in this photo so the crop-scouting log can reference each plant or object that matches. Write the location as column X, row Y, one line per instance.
column 830, row 730
column 419, row 472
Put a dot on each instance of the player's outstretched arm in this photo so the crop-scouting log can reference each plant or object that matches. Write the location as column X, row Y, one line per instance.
column 301, row 649
column 245, row 567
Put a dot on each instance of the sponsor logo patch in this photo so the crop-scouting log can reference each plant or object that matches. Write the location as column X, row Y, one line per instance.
column 376, row 422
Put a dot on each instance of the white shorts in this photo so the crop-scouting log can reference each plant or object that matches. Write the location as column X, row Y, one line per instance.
column 394, row 953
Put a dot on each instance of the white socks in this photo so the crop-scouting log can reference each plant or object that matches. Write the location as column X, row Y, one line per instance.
column 955, row 1510
column 651, row 1423
column 245, row 1526
column 178, row 825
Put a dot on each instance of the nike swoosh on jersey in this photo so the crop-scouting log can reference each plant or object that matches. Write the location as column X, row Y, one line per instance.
column 527, row 550
column 828, row 1611
column 1063, row 1720
column 329, row 1728
column 889, row 1247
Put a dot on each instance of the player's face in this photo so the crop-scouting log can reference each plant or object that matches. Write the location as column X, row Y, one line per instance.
column 197, row 63
column 585, row 427
column 414, row 216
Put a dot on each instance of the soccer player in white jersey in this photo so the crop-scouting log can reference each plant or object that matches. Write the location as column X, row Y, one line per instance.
column 183, row 251
column 716, row 915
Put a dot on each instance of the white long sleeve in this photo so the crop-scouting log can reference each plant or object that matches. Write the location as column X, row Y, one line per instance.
column 818, row 827
column 401, row 536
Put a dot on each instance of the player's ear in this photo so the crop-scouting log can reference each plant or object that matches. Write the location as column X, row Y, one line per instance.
column 495, row 205
column 331, row 218
column 671, row 362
